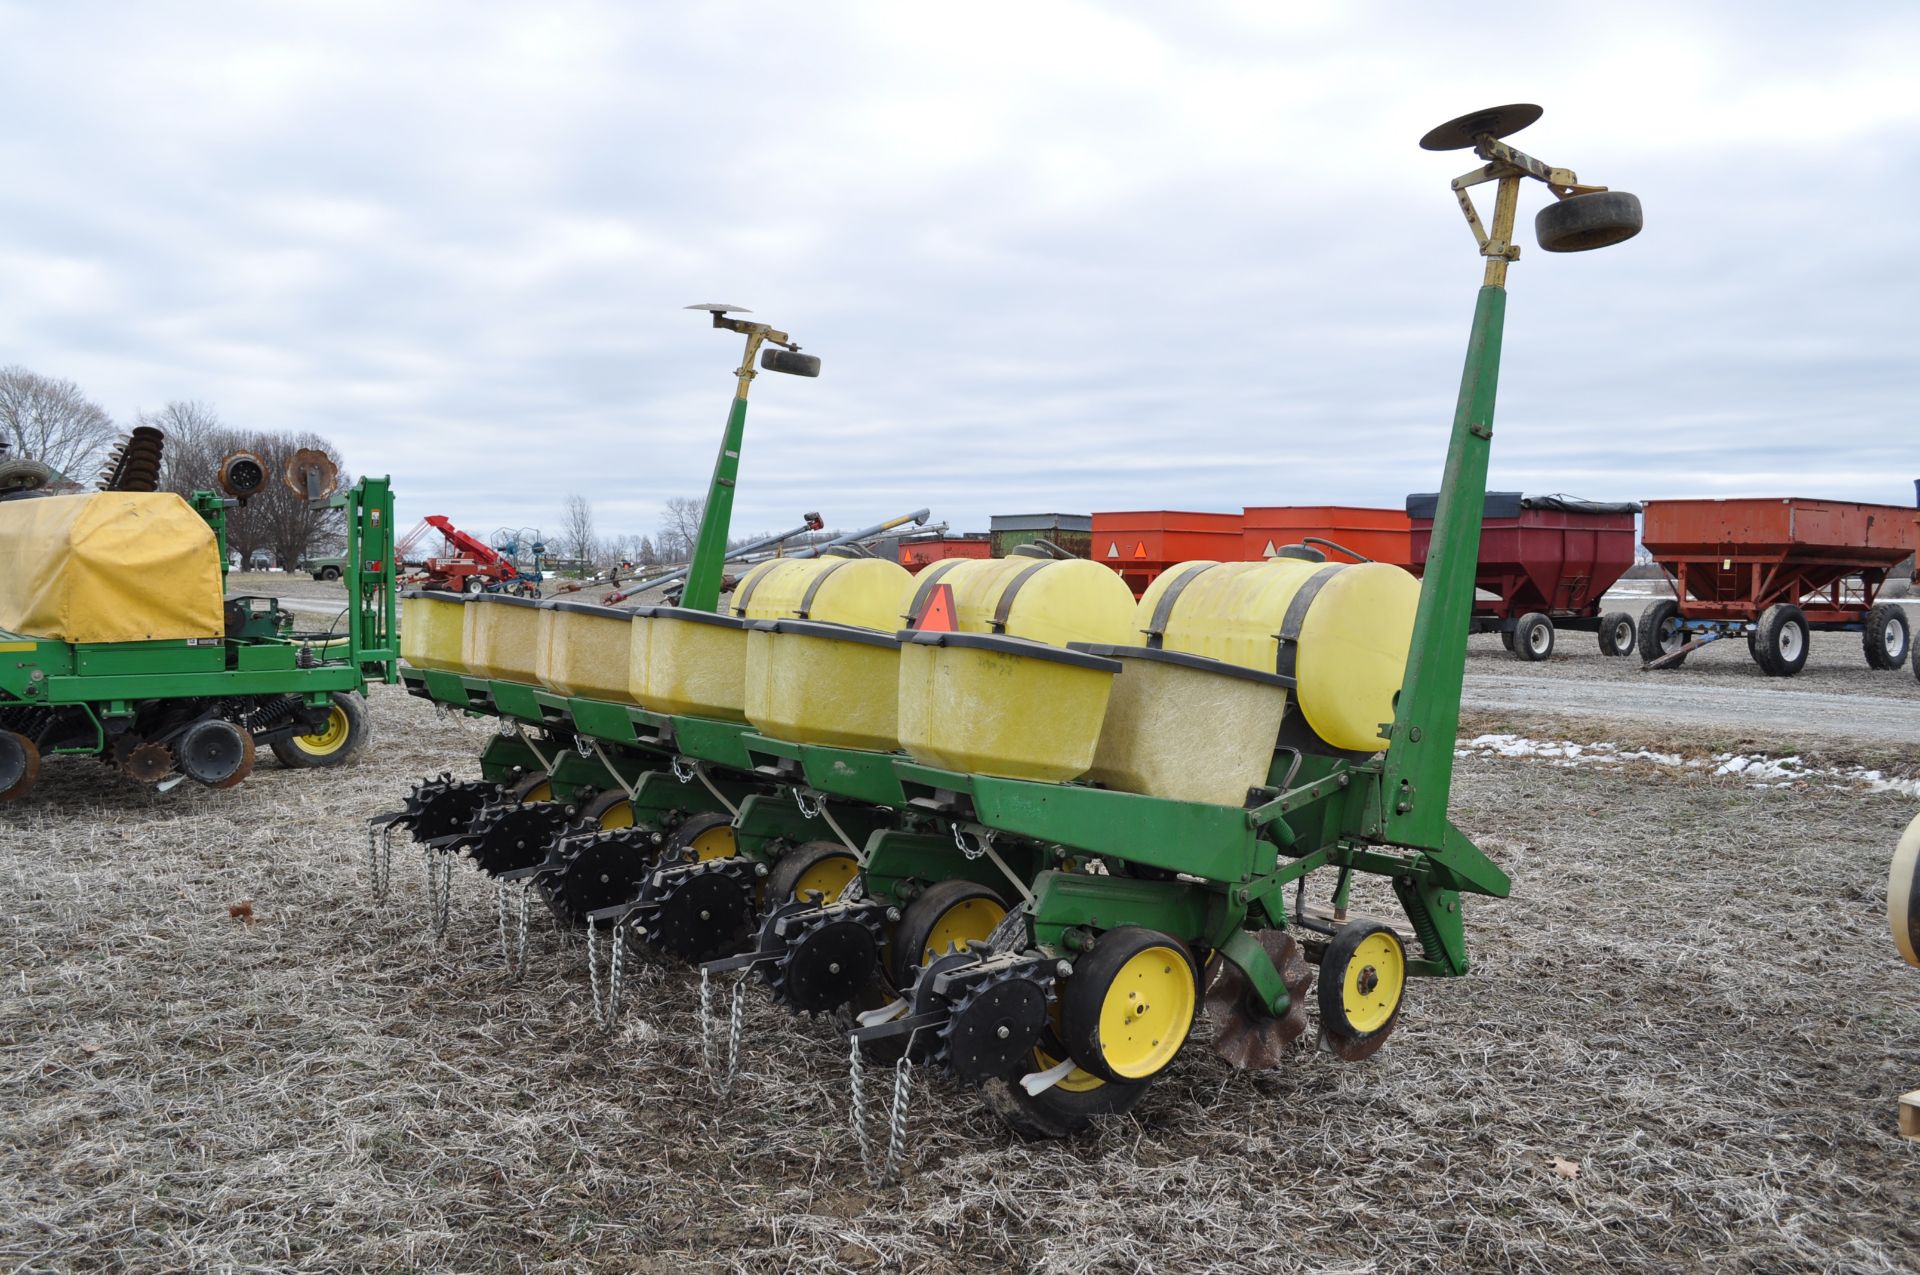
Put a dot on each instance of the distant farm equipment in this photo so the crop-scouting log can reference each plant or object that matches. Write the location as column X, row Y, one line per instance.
column 469, row 564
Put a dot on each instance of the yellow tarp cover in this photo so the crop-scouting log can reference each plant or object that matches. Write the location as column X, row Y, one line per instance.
column 111, row 566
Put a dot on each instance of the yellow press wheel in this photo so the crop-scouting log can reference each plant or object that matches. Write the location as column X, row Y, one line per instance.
column 337, row 741
column 609, row 811
column 1129, row 1005
column 1363, row 982
column 532, row 790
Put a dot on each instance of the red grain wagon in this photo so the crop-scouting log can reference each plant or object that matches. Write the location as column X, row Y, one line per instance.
column 1140, row 544
column 927, row 550
column 1377, row 535
column 1545, row 564
column 1772, row 570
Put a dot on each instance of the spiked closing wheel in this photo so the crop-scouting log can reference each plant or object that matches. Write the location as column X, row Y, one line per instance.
column 1245, row 1032
column 596, row 870
column 443, row 806
column 19, row 765
column 703, row 911
column 994, row 1028
column 822, row 967
column 1363, row 980
column 510, row 838
column 1499, row 121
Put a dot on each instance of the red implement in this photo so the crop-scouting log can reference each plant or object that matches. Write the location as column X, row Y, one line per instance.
column 1140, row 544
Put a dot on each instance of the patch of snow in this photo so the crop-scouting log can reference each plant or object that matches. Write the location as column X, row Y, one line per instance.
column 1757, row 771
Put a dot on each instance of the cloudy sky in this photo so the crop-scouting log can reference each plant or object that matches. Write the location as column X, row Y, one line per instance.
column 1055, row 256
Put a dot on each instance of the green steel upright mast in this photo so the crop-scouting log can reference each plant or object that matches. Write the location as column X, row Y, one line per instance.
column 1419, row 761
column 708, row 562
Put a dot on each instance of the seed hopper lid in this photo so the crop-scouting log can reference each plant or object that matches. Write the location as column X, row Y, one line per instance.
column 438, row 595
column 506, row 599
column 829, row 630
column 1003, row 645
column 589, row 608
column 1181, row 659
column 693, row 615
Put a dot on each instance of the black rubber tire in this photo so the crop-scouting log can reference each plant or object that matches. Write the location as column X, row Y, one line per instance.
column 1581, row 223
column 1653, row 631
column 1888, row 637
column 19, row 765
column 1086, row 994
column 1916, row 661
column 293, row 756
column 1533, row 637
column 593, row 811
column 328, row 573
column 905, row 953
column 1783, row 639
column 1057, row 1112
column 1332, row 989
column 475, row 584
column 1506, row 638
column 680, row 844
column 214, row 752
column 792, row 362
column 1619, row 631
column 796, row 863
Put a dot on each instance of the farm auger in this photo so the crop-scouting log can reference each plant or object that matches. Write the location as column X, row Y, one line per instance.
column 1041, row 938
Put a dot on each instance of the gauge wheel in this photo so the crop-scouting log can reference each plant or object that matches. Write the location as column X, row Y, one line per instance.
column 947, row 915
column 700, row 838
column 822, row 868
column 1363, row 983
column 337, row 742
column 1129, row 1005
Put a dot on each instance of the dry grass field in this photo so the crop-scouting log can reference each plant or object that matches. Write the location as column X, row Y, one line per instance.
column 1679, row 1049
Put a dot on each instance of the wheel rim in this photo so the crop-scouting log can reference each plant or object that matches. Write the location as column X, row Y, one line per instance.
column 1539, row 638
column 1372, row 983
column 1670, row 635
column 1146, row 1012
column 618, row 815
column 1896, row 639
column 715, row 843
column 827, row 878
column 1790, row 642
column 967, row 921
column 539, row 794
column 1623, row 636
column 330, row 738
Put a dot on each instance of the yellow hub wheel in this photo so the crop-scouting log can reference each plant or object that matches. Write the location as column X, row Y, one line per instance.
column 714, row 843
column 828, row 877
column 1128, row 1007
column 965, row 922
column 330, row 738
column 1363, row 979
column 539, row 794
column 1147, row 1012
column 1374, row 980
column 618, row 815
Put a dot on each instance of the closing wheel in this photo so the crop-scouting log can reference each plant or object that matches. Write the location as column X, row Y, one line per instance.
column 1129, row 1005
column 1887, row 636
column 814, row 867
column 1903, row 894
column 701, row 838
column 1363, row 980
column 948, row 915
column 1660, row 632
column 337, row 742
column 19, row 765
column 215, row 753
column 1783, row 639
column 1618, row 633
column 1581, row 223
column 1533, row 637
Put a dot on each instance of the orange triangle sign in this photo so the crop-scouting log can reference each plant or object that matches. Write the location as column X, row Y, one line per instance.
column 1140, row 549
column 938, row 617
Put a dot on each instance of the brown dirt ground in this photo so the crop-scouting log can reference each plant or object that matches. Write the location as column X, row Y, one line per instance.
column 1691, row 996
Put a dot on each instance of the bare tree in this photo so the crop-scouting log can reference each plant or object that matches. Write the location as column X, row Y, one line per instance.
column 679, row 528
column 197, row 441
column 576, row 531
column 52, row 422
column 276, row 519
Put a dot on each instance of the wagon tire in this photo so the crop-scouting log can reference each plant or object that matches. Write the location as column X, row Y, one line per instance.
column 1654, row 622
column 1506, row 638
column 1888, row 637
column 1618, row 633
column 1783, row 639
column 1533, row 637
